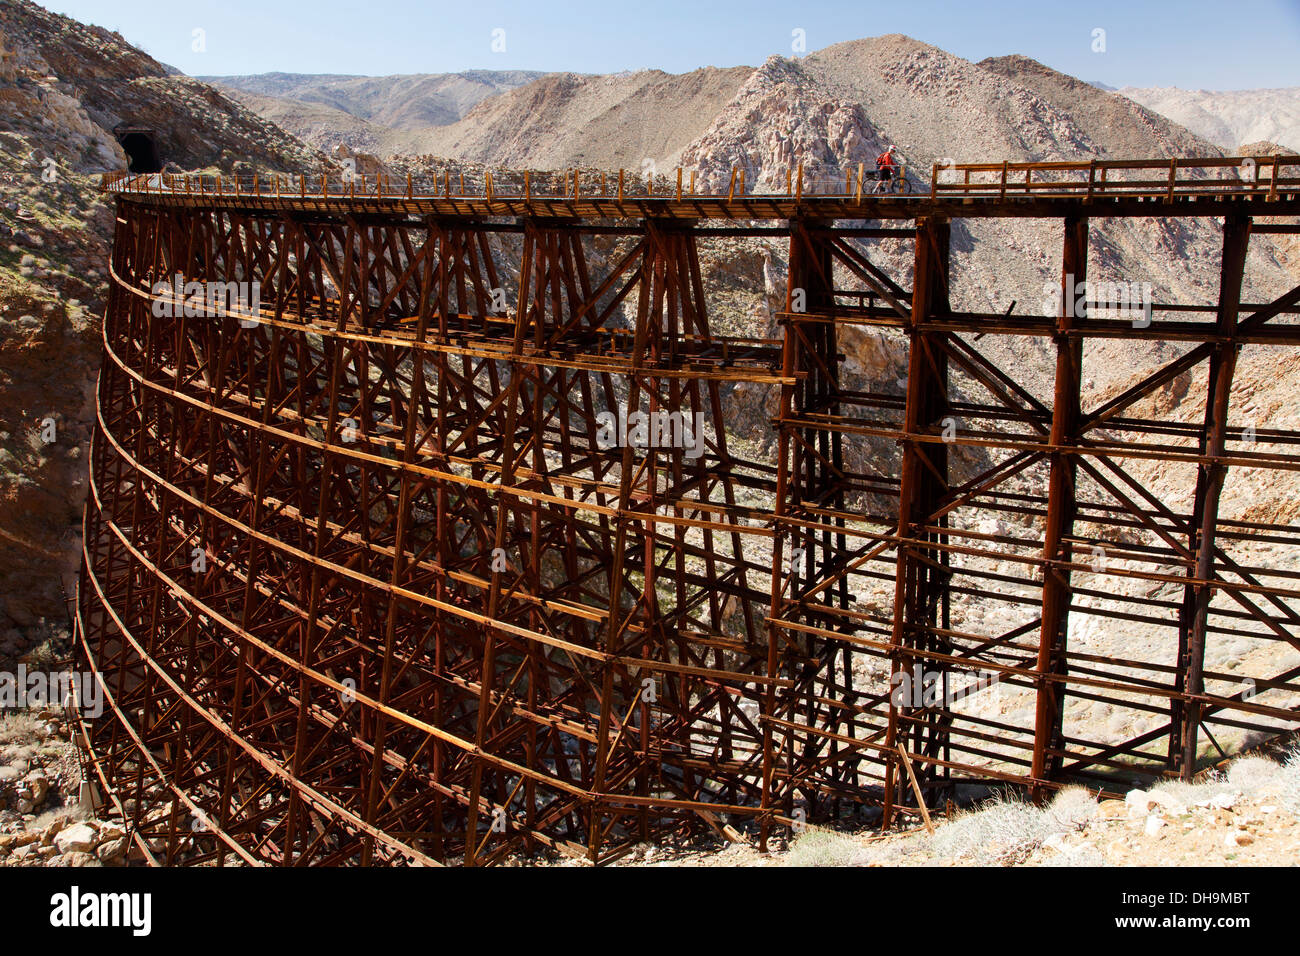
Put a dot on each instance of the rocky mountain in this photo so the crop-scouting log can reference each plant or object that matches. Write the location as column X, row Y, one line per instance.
column 842, row 105
column 377, row 114
column 547, row 121
column 64, row 89
column 839, row 107
column 613, row 121
column 1114, row 123
column 1229, row 118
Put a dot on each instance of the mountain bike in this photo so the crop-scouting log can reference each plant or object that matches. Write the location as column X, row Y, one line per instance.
column 896, row 184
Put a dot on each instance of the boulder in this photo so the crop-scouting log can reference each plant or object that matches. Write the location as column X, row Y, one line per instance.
column 80, row 837
column 112, row 850
column 38, row 787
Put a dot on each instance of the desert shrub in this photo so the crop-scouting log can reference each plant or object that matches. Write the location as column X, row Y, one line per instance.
column 1071, row 808
column 824, row 848
column 1005, row 830
column 1251, row 775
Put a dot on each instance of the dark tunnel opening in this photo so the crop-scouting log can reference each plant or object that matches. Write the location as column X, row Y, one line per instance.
column 141, row 150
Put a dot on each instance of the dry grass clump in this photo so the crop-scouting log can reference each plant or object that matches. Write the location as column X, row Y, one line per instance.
column 825, row 848
column 1004, row 830
column 19, row 727
column 1009, row 828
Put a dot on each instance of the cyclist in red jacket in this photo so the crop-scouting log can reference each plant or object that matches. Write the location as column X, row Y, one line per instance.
column 886, row 169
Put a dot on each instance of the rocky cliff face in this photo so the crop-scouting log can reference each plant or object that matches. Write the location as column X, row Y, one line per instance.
column 781, row 118
column 64, row 88
column 194, row 125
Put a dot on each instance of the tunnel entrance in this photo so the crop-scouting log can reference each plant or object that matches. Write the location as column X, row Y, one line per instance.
column 141, row 149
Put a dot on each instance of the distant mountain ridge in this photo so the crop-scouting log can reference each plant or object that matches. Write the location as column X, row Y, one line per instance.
column 1229, row 118
column 554, row 120
column 410, row 101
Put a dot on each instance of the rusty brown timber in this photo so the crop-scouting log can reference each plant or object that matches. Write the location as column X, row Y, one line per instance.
column 364, row 586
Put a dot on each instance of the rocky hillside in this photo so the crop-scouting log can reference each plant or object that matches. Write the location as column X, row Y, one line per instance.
column 838, row 107
column 64, row 87
column 1112, row 122
column 550, row 121
column 376, row 114
column 194, row 125
column 612, row 121
column 1228, row 118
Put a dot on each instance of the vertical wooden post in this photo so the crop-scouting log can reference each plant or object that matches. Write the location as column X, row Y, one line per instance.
column 1061, row 508
column 808, row 353
column 1186, row 717
column 919, row 585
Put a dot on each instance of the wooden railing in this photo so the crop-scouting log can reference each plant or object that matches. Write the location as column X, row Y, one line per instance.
column 1253, row 176
column 1266, row 177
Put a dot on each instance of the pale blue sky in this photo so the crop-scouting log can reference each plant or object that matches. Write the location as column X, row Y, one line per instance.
column 1240, row 44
